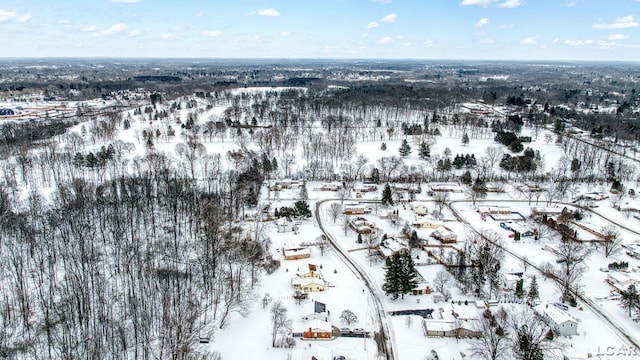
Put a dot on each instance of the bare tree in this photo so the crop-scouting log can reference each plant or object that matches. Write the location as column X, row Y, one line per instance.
column 612, row 240
column 335, row 210
column 348, row 317
column 571, row 256
column 494, row 344
column 531, row 340
column 280, row 323
column 442, row 281
column 441, row 199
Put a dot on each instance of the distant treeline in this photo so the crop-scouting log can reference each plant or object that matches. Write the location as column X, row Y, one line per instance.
column 157, row 78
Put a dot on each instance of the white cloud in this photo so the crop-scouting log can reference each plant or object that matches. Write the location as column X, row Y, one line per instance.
column 487, row 41
column 133, row 33
column 211, row 33
column 618, row 37
column 126, row 1
column 285, row 34
column 269, row 12
column 90, row 28
column 24, row 18
column 114, row 29
column 482, row 22
column 390, row 18
column 429, row 43
column 385, row 40
column 483, row 3
column 6, row 15
column 578, row 42
column 620, row 23
column 531, row 40
column 373, row 24
column 556, row 40
column 200, row 14
column 510, row 4
column 168, row 36
column 63, row 22
column 400, row 37
column 506, row 26
column 570, row 4
column 382, row 2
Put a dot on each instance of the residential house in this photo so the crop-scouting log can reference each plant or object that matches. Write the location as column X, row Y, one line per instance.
column 317, row 329
column 427, row 222
column 315, row 310
column 515, row 227
column 285, row 224
column 295, row 253
column 450, row 328
column 354, row 209
column 557, row 319
column 419, row 208
column 362, row 225
column 391, row 245
column 445, row 235
column 308, row 284
column 310, row 272
column 621, row 281
column 330, row 187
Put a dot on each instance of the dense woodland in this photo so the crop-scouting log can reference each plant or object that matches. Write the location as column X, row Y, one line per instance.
column 128, row 256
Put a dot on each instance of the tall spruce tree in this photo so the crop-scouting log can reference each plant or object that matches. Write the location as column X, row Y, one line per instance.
column 404, row 149
column 401, row 275
column 387, row 198
column 533, row 290
column 424, row 152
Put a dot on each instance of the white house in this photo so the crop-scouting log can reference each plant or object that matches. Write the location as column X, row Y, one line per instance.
column 285, row 224
column 558, row 320
column 444, row 234
column 620, row 281
column 427, row 222
column 419, row 208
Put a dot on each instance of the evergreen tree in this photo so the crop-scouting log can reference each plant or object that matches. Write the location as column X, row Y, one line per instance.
column 251, row 199
column 359, row 241
column 375, row 175
column 400, row 276
column 465, row 139
column 387, row 199
column 302, row 208
column 425, row 152
column 629, row 298
column 404, row 149
column 526, row 348
column 391, row 284
column 466, row 178
column 520, row 288
column 383, row 147
column 533, row 290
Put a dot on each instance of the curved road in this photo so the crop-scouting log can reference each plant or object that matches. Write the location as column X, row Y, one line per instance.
column 381, row 315
column 621, row 332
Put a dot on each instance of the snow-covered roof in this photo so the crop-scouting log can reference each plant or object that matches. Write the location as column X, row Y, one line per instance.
column 307, row 281
column 317, row 325
column 556, row 315
column 316, row 351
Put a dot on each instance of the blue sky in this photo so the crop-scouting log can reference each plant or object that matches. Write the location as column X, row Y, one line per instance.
column 373, row 29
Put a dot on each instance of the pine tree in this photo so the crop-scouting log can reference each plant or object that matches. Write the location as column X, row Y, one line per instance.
column 375, row 175
column 400, row 276
column 387, row 199
column 425, row 152
column 630, row 299
column 383, row 147
column 520, row 288
column 465, row 139
column 404, row 149
column 533, row 290
column 526, row 348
